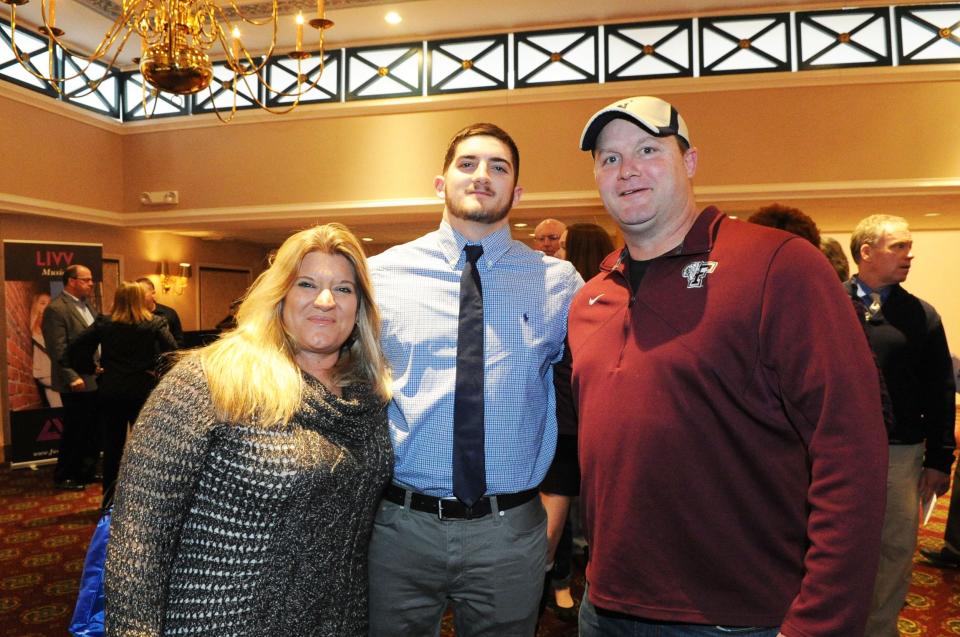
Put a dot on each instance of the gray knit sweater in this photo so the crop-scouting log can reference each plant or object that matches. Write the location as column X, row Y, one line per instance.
column 221, row 529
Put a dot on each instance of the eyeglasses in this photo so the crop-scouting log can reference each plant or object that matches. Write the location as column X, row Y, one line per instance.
column 85, row 279
column 547, row 237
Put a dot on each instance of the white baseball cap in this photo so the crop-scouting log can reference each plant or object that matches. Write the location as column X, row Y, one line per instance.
column 652, row 114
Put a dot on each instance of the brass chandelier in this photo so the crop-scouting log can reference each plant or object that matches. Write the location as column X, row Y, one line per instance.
column 176, row 40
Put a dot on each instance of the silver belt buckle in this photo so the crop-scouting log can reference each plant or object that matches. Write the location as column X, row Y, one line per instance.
column 440, row 508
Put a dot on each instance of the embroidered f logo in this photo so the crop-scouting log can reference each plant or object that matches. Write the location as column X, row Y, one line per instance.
column 696, row 271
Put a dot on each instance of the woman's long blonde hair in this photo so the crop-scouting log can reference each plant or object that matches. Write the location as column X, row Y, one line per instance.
column 251, row 370
column 130, row 304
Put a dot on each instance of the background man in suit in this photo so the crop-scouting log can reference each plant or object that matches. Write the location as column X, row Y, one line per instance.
column 167, row 312
column 63, row 321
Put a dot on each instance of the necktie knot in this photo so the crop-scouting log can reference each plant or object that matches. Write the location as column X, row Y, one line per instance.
column 473, row 253
column 875, row 303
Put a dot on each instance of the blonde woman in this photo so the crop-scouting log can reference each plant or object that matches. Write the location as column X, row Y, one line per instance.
column 130, row 341
column 249, row 486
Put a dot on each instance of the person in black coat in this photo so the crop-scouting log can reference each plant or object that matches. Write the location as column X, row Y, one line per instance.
column 165, row 311
column 131, row 340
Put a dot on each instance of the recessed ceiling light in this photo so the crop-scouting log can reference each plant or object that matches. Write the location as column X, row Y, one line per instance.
column 520, row 225
column 531, row 235
column 393, row 17
column 733, row 216
column 932, row 214
column 367, row 239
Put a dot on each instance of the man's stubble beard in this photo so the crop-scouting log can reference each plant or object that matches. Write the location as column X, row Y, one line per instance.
column 479, row 216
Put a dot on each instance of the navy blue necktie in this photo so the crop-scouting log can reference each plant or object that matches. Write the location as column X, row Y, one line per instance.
column 469, row 470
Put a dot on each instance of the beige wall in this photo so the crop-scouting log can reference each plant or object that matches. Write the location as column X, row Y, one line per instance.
column 759, row 135
column 56, row 158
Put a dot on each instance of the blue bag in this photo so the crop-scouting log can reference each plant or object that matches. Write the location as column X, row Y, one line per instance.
column 88, row 615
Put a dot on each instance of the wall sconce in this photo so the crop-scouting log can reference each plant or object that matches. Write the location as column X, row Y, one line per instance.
column 175, row 283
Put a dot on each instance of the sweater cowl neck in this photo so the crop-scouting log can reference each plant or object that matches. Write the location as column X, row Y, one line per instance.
column 357, row 399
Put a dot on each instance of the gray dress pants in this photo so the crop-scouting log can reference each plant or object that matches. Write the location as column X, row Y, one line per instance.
column 489, row 570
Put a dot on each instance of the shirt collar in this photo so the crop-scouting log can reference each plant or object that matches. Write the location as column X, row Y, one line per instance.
column 864, row 290
column 451, row 242
column 702, row 235
column 74, row 298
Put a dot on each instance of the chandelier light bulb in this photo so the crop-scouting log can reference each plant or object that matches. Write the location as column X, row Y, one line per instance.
column 236, row 45
column 299, row 31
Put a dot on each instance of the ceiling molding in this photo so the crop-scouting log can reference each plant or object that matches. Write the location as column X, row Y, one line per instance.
column 273, row 214
column 834, row 189
column 252, row 10
column 43, row 102
column 546, row 95
column 46, row 208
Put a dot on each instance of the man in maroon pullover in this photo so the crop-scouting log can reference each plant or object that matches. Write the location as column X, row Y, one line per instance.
column 731, row 437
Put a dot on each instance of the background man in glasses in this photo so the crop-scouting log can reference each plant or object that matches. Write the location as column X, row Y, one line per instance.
column 546, row 236
column 63, row 320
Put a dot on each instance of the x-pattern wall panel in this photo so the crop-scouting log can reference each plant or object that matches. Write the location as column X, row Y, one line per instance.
column 468, row 64
column 141, row 101
column 81, row 79
column 745, row 44
column 283, row 72
column 929, row 34
column 562, row 56
column 220, row 96
column 833, row 39
column 386, row 71
column 649, row 49
column 32, row 46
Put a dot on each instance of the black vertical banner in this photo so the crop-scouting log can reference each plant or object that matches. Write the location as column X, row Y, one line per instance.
column 34, row 272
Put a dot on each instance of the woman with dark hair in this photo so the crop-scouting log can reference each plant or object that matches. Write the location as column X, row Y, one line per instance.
column 248, row 489
column 831, row 248
column 585, row 246
column 131, row 340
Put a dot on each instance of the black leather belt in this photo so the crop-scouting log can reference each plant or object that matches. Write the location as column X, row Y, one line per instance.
column 451, row 509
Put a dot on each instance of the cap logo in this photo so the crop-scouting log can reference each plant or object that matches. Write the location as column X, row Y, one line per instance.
column 674, row 126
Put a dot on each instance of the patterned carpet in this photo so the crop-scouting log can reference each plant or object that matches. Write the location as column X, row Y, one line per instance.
column 933, row 603
column 44, row 532
column 43, row 539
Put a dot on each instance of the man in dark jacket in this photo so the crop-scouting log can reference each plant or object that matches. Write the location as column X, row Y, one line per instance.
column 167, row 312
column 907, row 336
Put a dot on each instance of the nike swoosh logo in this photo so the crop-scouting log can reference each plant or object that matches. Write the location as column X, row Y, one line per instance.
column 594, row 299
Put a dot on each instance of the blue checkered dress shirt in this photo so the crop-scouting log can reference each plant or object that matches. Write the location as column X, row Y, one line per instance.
column 526, row 296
